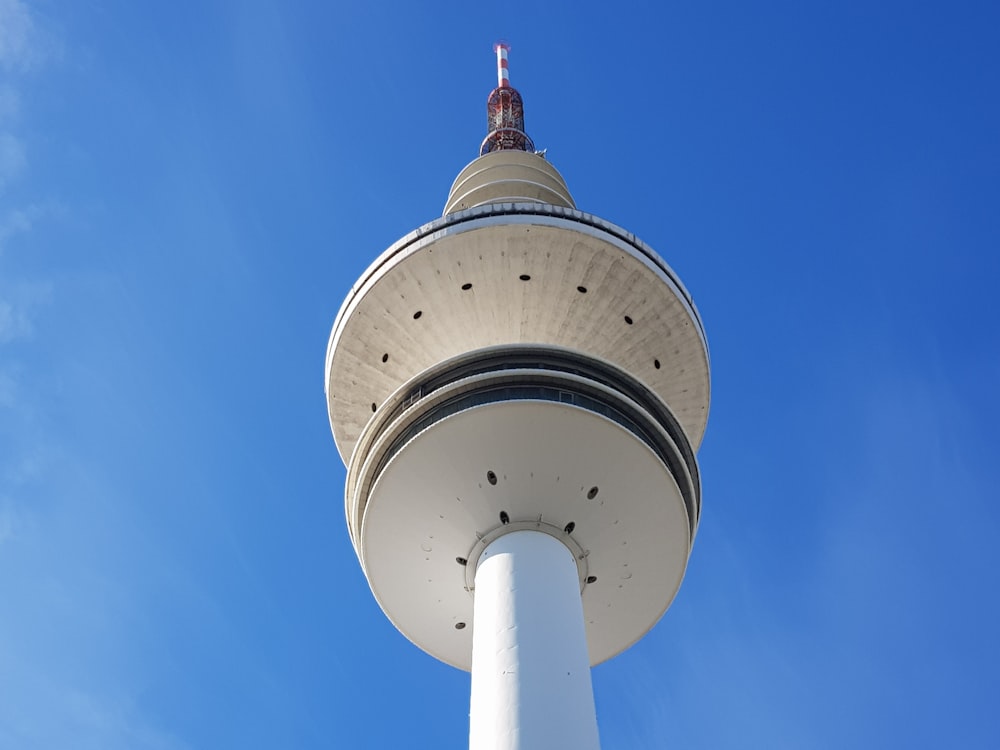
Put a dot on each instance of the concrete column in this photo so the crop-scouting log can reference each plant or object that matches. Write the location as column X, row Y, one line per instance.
column 531, row 685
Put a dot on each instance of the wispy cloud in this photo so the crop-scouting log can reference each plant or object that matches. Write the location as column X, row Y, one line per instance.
column 10, row 103
column 18, row 53
column 23, row 49
column 16, row 305
column 108, row 720
column 14, row 323
column 7, row 520
column 12, row 158
column 69, row 678
column 17, row 221
column 19, row 39
column 8, row 389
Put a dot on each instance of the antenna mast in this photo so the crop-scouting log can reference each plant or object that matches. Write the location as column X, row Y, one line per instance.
column 505, row 112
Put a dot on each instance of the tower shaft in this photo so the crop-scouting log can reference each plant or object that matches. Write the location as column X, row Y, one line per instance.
column 531, row 687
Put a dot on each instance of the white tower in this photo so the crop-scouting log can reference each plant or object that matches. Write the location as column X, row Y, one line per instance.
column 518, row 390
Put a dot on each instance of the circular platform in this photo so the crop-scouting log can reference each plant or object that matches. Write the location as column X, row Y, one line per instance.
column 470, row 474
column 510, row 273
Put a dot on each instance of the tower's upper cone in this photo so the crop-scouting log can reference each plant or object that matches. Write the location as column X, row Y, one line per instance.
column 508, row 169
column 508, row 177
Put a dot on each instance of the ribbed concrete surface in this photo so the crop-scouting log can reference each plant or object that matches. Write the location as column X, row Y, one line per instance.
column 508, row 176
column 410, row 312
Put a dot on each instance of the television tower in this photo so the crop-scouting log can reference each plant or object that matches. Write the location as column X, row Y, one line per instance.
column 518, row 390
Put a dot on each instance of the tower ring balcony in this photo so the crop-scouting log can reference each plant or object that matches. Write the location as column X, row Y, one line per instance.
column 516, row 438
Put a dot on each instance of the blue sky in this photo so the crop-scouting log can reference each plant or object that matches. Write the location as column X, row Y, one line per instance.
column 187, row 192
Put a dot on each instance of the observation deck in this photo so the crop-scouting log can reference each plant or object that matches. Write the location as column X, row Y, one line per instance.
column 519, row 364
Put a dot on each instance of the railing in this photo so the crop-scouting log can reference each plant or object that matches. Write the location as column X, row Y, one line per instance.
column 675, row 453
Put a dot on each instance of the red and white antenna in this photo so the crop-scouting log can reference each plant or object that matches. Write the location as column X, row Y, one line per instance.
column 505, row 112
column 503, row 74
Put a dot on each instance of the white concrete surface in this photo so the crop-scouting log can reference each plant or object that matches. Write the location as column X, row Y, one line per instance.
column 531, row 687
column 433, row 502
column 505, row 177
column 461, row 286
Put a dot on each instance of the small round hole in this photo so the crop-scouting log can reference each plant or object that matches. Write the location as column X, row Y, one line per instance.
column 385, row 357
column 417, row 314
column 591, row 579
column 504, row 518
column 491, row 477
column 569, row 527
column 459, row 626
column 628, row 320
column 374, row 407
column 461, row 561
column 466, row 287
column 524, row 277
column 592, row 492
column 656, row 364
column 581, row 289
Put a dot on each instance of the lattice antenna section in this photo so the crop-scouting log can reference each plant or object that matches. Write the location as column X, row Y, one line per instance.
column 505, row 112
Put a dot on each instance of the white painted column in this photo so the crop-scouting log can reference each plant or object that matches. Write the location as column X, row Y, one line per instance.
column 531, row 685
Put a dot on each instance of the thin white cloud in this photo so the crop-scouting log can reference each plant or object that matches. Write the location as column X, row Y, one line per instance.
column 23, row 47
column 59, row 585
column 7, row 521
column 14, row 322
column 12, row 158
column 113, row 722
column 19, row 43
column 17, row 221
column 8, row 389
column 10, row 103
column 16, row 305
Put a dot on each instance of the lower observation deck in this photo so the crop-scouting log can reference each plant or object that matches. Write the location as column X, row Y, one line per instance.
column 523, row 438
